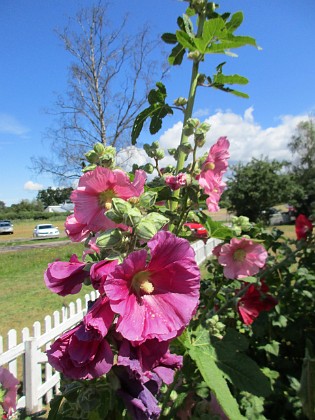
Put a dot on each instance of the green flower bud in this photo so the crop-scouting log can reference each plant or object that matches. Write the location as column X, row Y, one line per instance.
column 99, row 148
column 132, row 217
column 186, row 148
column 171, row 151
column 148, row 168
column 145, row 230
column 91, row 156
column 120, row 206
column 200, row 139
column 115, row 217
column 190, row 126
column 109, row 239
column 155, row 145
column 89, row 168
column 159, row 154
column 148, row 199
column 195, row 55
column 180, row 101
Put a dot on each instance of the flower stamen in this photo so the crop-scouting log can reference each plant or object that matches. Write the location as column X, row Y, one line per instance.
column 141, row 283
column 105, row 199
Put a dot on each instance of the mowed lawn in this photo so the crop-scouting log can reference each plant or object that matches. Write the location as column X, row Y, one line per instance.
column 23, row 295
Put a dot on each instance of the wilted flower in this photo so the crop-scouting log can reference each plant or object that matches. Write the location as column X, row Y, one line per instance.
column 303, row 226
column 9, row 383
column 241, row 258
column 95, row 192
column 255, row 300
column 155, row 299
column 175, row 182
column 83, row 352
column 65, row 278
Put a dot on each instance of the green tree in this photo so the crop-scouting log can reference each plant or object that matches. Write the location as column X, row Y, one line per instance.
column 302, row 145
column 52, row 197
column 258, row 185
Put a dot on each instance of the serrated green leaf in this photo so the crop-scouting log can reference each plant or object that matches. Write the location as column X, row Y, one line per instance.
column 230, row 79
column 235, row 21
column 185, row 40
column 213, row 30
column 177, row 55
column 169, row 38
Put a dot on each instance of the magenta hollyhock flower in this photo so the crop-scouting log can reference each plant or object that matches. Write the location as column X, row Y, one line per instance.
column 255, row 300
column 217, row 159
column 99, row 272
column 83, row 352
column 65, row 278
column 241, row 258
column 175, row 182
column 76, row 231
column 155, row 299
column 303, row 226
column 95, row 192
column 8, row 382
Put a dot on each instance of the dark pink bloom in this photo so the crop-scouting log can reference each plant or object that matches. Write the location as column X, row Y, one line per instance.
column 241, row 258
column 65, row 278
column 99, row 272
column 76, row 231
column 83, row 352
column 10, row 384
column 303, row 226
column 155, row 299
column 95, row 192
column 255, row 300
column 176, row 182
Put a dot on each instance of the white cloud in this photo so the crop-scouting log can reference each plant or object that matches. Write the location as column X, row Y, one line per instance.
column 33, row 186
column 10, row 125
column 248, row 139
column 131, row 155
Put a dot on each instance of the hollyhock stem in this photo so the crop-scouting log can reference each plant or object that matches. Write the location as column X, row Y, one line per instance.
column 170, row 388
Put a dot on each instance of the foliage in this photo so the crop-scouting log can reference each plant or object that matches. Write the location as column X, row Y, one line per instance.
column 258, row 185
column 54, row 196
column 302, row 146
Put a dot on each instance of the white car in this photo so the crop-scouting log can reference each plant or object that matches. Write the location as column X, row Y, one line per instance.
column 46, row 231
column 6, row 227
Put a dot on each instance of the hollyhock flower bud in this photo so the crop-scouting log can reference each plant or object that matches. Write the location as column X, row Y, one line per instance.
column 255, row 300
column 83, row 352
column 76, row 231
column 10, row 384
column 241, row 258
column 155, row 299
column 99, row 273
column 65, row 278
column 177, row 181
column 303, row 227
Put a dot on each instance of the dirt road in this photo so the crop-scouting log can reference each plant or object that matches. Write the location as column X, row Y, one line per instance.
column 35, row 244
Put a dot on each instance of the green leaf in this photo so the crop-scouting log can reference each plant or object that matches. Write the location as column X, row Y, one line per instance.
column 307, row 390
column 54, row 407
column 213, row 30
column 177, row 55
column 235, row 21
column 216, row 229
column 230, row 80
column 169, row 38
column 204, row 355
column 185, row 40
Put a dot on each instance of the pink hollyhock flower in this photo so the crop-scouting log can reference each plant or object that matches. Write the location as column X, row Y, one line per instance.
column 10, row 384
column 176, row 182
column 255, row 300
column 76, row 231
column 241, row 258
column 99, row 273
column 155, row 299
column 95, row 192
column 65, row 278
column 217, row 160
column 303, row 226
column 83, row 352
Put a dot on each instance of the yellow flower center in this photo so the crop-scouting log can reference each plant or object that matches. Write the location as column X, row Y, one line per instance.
column 239, row 255
column 141, row 282
column 105, row 199
column 209, row 166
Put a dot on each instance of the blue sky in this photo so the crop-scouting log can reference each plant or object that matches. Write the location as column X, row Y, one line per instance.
column 34, row 66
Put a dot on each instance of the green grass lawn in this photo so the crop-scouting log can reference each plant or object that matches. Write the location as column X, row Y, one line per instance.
column 23, row 294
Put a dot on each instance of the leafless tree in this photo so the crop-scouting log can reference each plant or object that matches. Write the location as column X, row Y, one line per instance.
column 109, row 79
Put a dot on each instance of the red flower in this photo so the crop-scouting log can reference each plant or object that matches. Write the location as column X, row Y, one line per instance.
column 255, row 300
column 303, row 226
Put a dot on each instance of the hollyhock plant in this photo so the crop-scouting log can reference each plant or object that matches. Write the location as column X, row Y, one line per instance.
column 9, row 384
column 155, row 299
column 241, row 258
column 83, row 352
column 65, row 278
column 303, row 226
column 255, row 300
column 99, row 272
column 176, row 182
column 76, row 231
column 95, row 192
column 217, row 159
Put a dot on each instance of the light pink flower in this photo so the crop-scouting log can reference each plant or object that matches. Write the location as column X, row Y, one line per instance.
column 217, row 160
column 65, row 278
column 176, row 182
column 95, row 192
column 155, row 299
column 10, row 384
column 241, row 258
column 76, row 231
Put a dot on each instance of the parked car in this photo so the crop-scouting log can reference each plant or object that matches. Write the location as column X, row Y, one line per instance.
column 197, row 229
column 6, row 227
column 45, row 231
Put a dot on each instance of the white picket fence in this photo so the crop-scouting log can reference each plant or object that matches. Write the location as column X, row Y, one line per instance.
column 26, row 358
